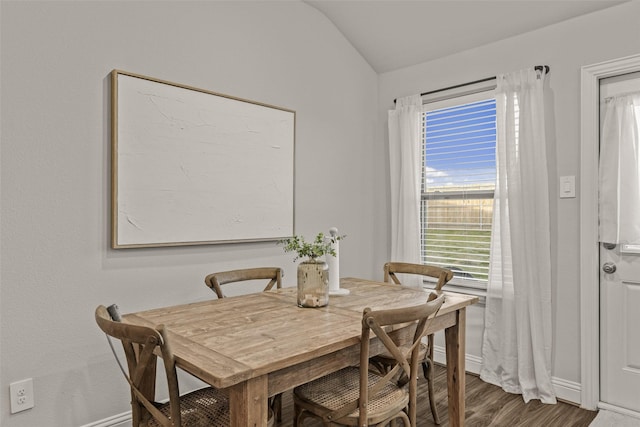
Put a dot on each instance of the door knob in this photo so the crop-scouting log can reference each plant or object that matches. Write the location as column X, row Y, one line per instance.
column 609, row 267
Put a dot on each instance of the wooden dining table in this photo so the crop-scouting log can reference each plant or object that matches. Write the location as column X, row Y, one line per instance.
column 261, row 344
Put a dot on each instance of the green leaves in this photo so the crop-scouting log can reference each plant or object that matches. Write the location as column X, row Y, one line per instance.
column 312, row 250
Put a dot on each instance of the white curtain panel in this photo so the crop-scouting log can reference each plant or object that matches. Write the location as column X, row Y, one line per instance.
column 516, row 348
column 619, row 192
column 405, row 177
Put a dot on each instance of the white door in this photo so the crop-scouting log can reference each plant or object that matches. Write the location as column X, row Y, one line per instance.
column 620, row 298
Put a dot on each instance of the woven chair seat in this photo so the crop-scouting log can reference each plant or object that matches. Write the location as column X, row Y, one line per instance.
column 335, row 390
column 207, row 407
column 204, row 407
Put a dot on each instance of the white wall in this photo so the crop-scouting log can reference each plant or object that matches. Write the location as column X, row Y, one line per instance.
column 565, row 47
column 56, row 262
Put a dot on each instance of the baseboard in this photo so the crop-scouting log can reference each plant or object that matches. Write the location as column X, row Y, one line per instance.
column 472, row 362
column 120, row 420
column 568, row 391
column 565, row 390
column 618, row 410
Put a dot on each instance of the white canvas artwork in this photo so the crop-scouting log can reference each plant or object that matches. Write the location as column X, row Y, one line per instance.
column 195, row 167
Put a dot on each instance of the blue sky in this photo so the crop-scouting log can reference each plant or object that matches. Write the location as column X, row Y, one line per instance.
column 460, row 143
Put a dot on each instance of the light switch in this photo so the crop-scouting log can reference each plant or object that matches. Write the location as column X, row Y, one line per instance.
column 567, row 186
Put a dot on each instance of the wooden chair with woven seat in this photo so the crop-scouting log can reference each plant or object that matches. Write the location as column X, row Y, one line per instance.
column 358, row 396
column 201, row 408
column 426, row 352
column 215, row 281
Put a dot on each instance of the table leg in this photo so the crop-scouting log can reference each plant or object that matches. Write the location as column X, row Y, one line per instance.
column 455, row 347
column 248, row 403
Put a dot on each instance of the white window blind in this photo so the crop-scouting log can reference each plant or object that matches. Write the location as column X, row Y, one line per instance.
column 458, row 183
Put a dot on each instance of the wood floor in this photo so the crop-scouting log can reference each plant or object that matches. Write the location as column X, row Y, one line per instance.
column 486, row 405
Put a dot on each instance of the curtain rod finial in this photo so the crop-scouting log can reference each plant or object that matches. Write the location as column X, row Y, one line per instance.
column 543, row 68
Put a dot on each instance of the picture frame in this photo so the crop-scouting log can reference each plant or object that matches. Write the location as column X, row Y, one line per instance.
column 191, row 166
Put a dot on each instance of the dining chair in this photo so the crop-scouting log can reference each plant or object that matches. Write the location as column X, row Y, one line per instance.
column 426, row 351
column 358, row 396
column 216, row 280
column 201, row 408
column 274, row 275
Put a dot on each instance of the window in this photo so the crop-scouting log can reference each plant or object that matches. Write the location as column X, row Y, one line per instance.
column 458, row 182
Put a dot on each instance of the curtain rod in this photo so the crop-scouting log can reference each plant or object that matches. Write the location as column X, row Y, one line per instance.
column 544, row 68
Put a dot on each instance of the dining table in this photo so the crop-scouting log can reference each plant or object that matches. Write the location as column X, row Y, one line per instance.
column 261, row 344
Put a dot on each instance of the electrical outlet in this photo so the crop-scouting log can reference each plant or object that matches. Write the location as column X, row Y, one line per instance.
column 21, row 395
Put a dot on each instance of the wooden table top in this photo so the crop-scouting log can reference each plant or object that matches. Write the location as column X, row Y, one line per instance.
column 230, row 340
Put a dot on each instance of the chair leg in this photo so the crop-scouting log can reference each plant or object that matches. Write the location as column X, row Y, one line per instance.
column 276, row 407
column 427, row 368
column 300, row 414
column 297, row 415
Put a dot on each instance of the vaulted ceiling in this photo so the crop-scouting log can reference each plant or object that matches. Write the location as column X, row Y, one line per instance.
column 392, row 34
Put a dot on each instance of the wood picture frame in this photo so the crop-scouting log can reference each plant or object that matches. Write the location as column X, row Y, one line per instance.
column 191, row 166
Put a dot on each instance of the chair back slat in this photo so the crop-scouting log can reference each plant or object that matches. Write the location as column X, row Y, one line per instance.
column 392, row 268
column 421, row 315
column 216, row 280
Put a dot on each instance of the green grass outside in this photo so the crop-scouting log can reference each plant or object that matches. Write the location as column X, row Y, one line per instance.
column 465, row 249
